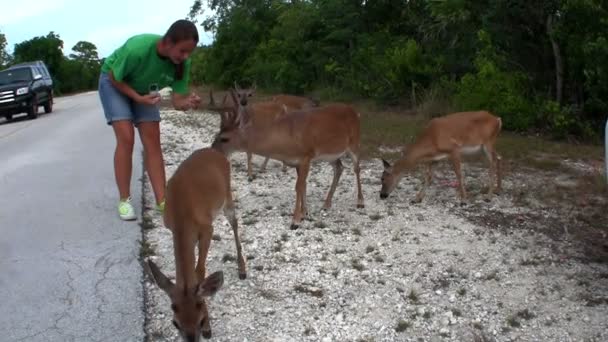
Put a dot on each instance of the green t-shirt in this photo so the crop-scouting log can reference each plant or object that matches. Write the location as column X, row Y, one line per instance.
column 138, row 64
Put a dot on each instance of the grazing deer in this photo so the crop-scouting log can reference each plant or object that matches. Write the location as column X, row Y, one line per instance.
column 298, row 138
column 449, row 137
column 196, row 193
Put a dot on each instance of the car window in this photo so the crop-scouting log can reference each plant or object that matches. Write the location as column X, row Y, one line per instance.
column 15, row 75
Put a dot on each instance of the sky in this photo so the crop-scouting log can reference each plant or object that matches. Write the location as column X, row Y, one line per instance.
column 105, row 23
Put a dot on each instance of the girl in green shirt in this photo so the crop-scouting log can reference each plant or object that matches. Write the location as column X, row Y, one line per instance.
column 128, row 89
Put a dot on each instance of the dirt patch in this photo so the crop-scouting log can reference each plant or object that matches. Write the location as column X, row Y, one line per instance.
column 527, row 265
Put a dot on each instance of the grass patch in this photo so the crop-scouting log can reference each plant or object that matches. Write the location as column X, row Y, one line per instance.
column 228, row 258
column 403, row 325
column 413, row 296
column 250, row 221
column 320, row 224
column 313, row 291
column 356, row 264
column 375, row 217
column 145, row 249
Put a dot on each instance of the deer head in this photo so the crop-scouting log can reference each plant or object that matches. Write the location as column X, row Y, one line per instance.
column 389, row 180
column 243, row 95
column 188, row 304
column 232, row 124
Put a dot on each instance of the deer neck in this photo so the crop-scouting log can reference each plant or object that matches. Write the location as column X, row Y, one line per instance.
column 414, row 154
column 185, row 275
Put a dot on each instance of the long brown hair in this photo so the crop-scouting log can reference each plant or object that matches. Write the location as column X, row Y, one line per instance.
column 179, row 31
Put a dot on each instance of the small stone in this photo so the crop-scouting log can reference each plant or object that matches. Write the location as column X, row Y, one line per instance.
column 477, row 275
column 438, row 292
column 340, row 317
column 326, row 339
column 586, row 319
column 452, row 299
column 444, row 331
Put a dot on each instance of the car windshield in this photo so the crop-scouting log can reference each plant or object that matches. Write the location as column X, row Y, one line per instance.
column 15, row 75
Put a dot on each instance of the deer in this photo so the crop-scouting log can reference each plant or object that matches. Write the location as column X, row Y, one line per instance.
column 450, row 136
column 196, row 193
column 263, row 113
column 298, row 138
column 293, row 102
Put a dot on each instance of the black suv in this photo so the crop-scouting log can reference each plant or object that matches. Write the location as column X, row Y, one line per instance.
column 23, row 88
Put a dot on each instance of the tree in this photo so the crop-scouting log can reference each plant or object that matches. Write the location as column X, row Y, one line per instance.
column 5, row 58
column 85, row 52
column 47, row 49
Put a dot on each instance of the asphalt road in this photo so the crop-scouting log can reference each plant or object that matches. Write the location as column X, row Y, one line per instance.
column 69, row 267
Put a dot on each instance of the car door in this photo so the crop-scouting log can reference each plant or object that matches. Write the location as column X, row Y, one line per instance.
column 38, row 85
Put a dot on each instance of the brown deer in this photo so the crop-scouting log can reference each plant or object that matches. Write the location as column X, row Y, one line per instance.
column 298, row 138
column 450, row 136
column 262, row 113
column 196, row 193
column 293, row 102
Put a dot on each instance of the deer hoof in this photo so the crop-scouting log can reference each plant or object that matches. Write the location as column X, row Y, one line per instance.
column 250, row 179
column 294, row 226
column 242, row 276
column 206, row 334
column 360, row 206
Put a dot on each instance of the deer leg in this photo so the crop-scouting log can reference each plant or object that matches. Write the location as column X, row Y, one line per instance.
column 357, row 171
column 203, row 249
column 427, row 177
column 249, row 171
column 302, row 171
column 498, row 163
column 230, row 214
column 491, row 155
column 338, row 168
column 263, row 167
column 455, row 158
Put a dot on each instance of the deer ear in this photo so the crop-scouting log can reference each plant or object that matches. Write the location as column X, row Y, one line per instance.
column 234, row 97
column 386, row 164
column 210, row 285
column 159, row 278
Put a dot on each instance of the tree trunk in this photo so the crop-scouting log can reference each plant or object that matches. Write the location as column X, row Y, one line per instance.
column 559, row 64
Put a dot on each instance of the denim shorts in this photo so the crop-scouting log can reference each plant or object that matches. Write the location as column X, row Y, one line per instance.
column 118, row 106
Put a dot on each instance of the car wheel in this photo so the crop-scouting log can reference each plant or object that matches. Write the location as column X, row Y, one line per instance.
column 48, row 106
column 32, row 112
column 9, row 117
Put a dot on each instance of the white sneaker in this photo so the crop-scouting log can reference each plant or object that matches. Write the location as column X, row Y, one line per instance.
column 126, row 210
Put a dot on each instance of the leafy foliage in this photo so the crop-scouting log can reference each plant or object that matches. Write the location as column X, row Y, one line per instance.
column 537, row 65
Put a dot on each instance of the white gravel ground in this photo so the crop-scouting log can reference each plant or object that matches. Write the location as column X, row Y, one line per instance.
column 393, row 271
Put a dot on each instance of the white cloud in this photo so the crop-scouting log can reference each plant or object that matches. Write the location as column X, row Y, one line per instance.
column 15, row 11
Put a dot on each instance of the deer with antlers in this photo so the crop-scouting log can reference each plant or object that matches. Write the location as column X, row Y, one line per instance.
column 196, row 193
column 450, row 137
column 264, row 113
column 297, row 138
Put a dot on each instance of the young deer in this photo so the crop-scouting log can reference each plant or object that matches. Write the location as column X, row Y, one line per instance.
column 262, row 113
column 449, row 137
column 298, row 138
column 196, row 193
